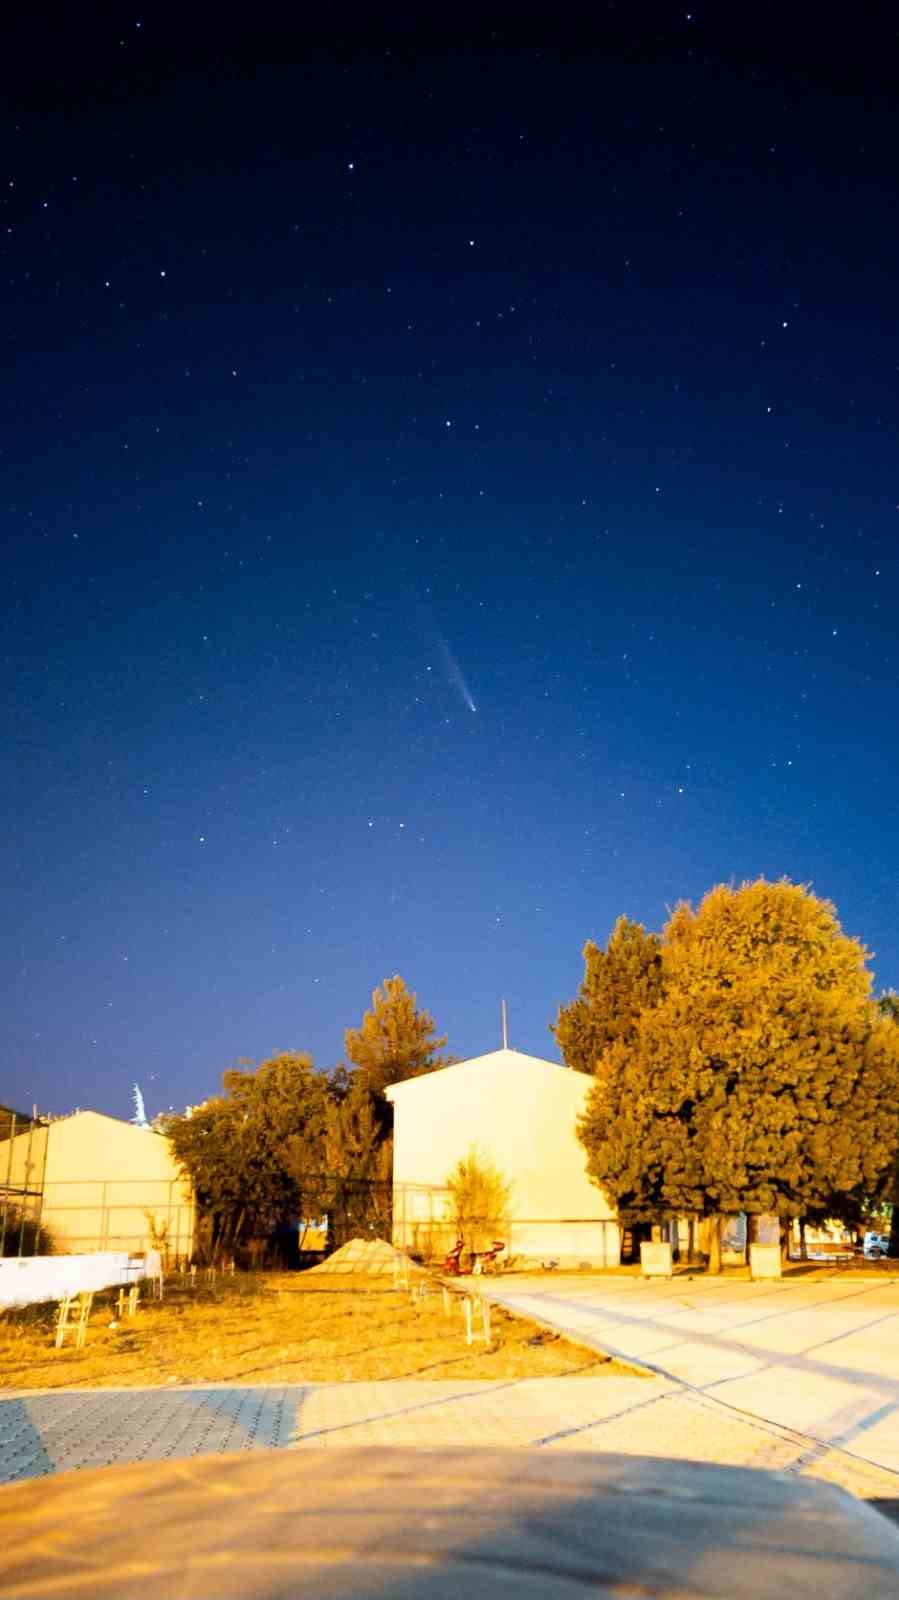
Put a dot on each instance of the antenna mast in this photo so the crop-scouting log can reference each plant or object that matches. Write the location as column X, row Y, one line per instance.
column 505, row 1018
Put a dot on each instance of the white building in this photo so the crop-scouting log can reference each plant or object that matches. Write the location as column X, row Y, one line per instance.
column 107, row 1185
column 521, row 1112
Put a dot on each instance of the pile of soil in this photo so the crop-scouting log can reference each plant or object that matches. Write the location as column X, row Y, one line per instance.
column 360, row 1256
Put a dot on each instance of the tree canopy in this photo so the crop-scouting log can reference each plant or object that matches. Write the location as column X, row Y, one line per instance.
column 395, row 1040
column 619, row 983
column 249, row 1150
column 762, row 1078
column 351, row 1185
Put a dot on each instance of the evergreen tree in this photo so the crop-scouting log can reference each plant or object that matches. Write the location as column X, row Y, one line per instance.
column 619, row 983
column 395, row 1040
column 355, row 1148
column 764, row 1080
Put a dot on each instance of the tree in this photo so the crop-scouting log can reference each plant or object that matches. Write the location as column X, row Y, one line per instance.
column 352, row 1183
column 763, row 1080
column 250, row 1152
column 888, row 1006
column 619, row 983
column 360, row 1156
column 25, row 1233
column 480, row 1198
column 396, row 1040
column 354, row 1146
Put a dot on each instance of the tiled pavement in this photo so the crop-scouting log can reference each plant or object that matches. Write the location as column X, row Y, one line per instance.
column 55, row 1432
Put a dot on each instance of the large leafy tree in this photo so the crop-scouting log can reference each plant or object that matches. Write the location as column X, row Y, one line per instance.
column 888, row 1006
column 764, row 1080
column 619, row 983
column 253, row 1151
column 395, row 1041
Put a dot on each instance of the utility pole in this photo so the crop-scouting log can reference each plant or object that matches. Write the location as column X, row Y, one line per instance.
column 505, row 1017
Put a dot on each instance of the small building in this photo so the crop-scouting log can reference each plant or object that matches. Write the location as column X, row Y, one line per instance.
column 521, row 1113
column 105, row 1185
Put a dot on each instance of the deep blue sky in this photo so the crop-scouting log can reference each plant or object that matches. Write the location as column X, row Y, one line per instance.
column 348, row 381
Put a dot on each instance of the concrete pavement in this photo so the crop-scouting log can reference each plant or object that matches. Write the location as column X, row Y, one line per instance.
column 819, row 1356
column 49, row 1432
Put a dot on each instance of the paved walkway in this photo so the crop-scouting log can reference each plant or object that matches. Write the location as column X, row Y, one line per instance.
column 796, row 1376
column 45, row 1433
column 819, row 1357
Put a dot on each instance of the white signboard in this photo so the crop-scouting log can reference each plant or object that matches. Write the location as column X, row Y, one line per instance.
column 655, row 1260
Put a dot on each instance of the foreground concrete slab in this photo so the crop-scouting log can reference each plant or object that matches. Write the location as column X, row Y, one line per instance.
column 414, row 1525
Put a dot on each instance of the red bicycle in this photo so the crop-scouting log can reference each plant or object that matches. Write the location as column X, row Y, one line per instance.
column 452, row 1265
column 486, row 1258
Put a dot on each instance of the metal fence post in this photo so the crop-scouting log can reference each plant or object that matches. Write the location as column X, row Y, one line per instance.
column 12, row 1135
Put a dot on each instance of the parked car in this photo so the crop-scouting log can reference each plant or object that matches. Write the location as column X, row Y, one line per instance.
column 875, row 1245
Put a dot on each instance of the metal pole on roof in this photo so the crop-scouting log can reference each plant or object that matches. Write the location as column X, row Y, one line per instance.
column 505, row 1018
column 40, row 1198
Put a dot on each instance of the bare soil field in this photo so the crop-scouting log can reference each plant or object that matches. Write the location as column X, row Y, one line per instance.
column 282, row 1328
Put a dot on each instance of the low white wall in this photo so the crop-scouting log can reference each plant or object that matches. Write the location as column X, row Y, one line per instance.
column 26, row 1280
column 569, row 1243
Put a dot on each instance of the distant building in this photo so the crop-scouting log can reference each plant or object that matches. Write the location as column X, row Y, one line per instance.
column 105, row 1185
column 521, row 1112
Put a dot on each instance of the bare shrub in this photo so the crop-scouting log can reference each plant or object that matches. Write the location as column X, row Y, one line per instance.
column 480, row 1199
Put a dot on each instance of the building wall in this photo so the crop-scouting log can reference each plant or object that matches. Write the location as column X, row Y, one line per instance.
column 102, row 1177
column 522, row 1113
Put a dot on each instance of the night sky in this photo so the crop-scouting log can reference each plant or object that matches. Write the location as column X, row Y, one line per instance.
column 449, row 499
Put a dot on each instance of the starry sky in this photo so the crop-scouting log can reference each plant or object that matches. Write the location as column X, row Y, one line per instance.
column 449, row 499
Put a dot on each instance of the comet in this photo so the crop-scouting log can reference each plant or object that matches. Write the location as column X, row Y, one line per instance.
column 432, row 635
column 456, row 678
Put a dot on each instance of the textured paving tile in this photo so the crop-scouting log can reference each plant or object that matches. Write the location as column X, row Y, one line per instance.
column 42, row 1434
column 68, row 1429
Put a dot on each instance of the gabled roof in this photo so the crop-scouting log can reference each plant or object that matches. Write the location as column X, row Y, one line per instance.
column 511, row 1060
column 105, row 1116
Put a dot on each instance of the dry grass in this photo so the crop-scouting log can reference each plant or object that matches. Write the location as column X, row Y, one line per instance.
column 283, row 1328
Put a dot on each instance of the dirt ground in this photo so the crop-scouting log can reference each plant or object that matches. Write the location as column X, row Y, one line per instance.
column 281, row 1328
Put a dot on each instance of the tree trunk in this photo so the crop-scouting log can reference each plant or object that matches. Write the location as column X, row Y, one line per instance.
column 715, row 1244
column 803, row 1247
column 785, row 1224
column 691, row 1240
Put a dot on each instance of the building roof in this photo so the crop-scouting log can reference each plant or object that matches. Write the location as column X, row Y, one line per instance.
column 512, row 1060
column 106, row 1116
